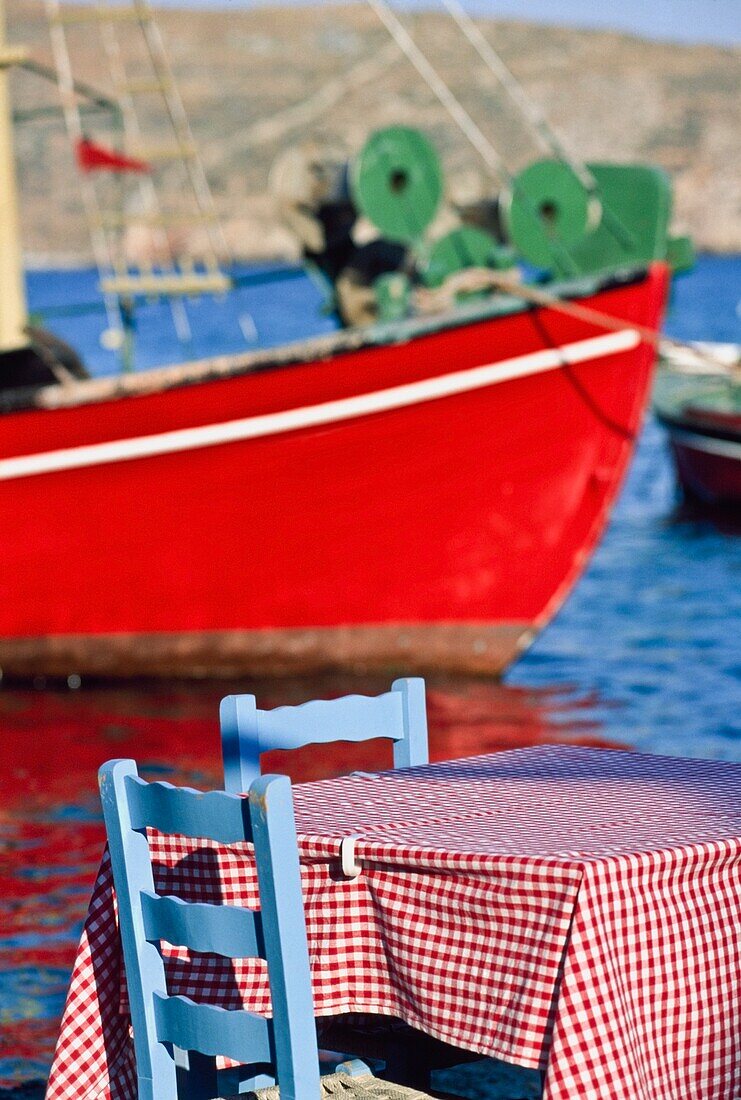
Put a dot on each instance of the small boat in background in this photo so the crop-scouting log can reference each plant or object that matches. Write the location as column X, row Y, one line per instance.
column 701, row 413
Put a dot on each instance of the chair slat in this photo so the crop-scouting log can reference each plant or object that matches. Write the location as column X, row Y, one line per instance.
column 222, row 929
column 209, row 1029
column 398, row 715
column 352, row 718
column 180, row 810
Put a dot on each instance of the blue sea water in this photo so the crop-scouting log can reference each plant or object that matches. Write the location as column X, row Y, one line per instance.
column 646, row 652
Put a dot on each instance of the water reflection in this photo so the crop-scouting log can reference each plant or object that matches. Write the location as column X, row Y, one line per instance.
column 50, row 829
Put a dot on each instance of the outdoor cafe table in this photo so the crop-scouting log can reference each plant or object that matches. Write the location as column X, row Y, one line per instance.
column 574, row 910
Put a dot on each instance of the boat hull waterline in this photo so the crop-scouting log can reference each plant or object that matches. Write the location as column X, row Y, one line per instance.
column 424, row 505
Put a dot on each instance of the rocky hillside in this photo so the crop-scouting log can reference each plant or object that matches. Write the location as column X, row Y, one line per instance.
column 254, row 81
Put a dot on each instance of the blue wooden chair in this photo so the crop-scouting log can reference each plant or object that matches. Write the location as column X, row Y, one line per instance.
column 398, row 715
column 283, row 1049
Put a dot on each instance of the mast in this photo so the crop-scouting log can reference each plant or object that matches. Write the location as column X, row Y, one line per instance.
column 13, row 312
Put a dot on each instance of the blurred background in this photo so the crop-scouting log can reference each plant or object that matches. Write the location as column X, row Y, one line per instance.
column 655, row 82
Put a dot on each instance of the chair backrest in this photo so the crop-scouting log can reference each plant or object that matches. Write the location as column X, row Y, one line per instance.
column 276, row 933
column 398, row 715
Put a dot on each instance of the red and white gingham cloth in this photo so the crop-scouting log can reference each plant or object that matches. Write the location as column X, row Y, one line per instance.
column 575, row 910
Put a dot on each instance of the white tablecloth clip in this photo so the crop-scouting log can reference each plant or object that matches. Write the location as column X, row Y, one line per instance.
column 350, row 867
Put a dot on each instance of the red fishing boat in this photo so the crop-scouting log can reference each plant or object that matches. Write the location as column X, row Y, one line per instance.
column 417, row 492
column 424, row 498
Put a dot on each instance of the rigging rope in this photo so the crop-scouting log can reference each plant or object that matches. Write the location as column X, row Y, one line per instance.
column 446, row 96
column 461, row 117
column 476, row 279
column 67, row 86
column 577, row 385
column 544, row 133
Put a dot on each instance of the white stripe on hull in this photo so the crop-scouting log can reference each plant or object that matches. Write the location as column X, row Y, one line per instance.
column 330, row 412
column 707, row 444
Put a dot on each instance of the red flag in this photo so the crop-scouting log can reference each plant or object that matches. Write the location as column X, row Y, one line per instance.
column 96, row 158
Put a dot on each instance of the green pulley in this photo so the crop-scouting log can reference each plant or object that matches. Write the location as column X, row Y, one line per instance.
column 397, row 183
column 549, row 210
column 462, row 248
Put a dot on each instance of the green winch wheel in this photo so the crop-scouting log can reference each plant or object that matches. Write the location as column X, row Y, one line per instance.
column 397, row 183
column 549, row 210
column 462, row 248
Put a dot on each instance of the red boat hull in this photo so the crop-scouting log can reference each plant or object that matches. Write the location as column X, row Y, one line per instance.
column 425, row 504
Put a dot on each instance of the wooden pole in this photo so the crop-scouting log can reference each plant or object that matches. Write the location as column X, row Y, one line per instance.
column 13, row 311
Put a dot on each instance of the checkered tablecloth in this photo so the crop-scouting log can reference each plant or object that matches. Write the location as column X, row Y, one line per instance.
column 575, row 910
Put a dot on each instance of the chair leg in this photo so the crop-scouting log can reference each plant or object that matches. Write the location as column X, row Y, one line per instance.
column 198, row 1079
